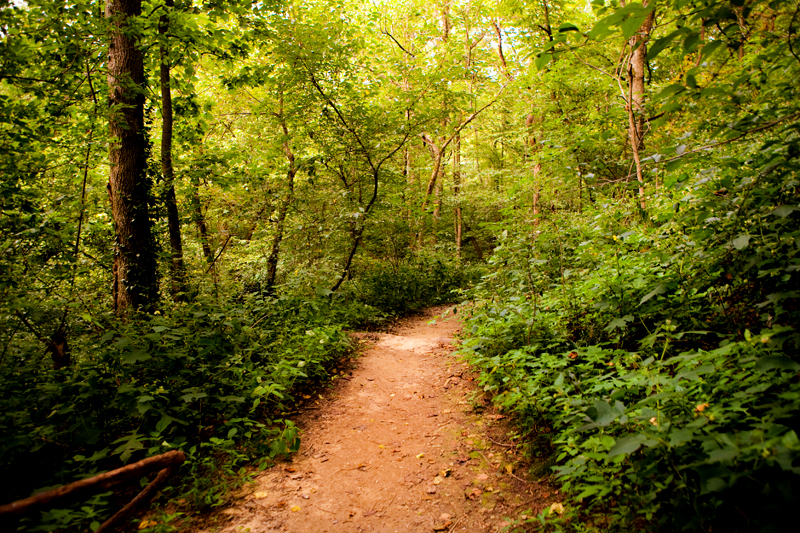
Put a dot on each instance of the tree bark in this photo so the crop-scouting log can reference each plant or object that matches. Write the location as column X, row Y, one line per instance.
column 636, row 115
column 272, row 260
column 457, row 193
column 135, row 273
column 200, row 220
column 177, row 266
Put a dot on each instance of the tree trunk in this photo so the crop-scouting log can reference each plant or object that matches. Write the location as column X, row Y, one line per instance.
column 177, row 267
column 135, row 273
column 456, row 193
column 636, row 115
column 272, row 260
column 200, row 220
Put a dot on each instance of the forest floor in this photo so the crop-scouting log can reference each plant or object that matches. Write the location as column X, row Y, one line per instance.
column 401, row 442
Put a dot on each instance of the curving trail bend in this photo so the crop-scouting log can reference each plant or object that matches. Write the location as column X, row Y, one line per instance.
column 399, row 444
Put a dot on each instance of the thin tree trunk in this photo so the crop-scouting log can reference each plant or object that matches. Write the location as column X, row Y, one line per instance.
column 200, row 220
column 636, row 115
column 272, row 260
column 457, row 193
column 135, row 272
column 177, row 266
column 547, row 28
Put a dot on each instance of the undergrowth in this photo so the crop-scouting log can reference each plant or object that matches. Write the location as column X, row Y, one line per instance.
column 214, row 378
column 654, row 360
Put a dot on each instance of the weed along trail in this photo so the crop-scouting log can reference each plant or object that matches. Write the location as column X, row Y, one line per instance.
column 401, row 443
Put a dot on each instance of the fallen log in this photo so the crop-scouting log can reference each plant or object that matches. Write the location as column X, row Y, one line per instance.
column 79, row 490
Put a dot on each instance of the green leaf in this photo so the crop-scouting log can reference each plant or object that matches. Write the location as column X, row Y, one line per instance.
column 543, row 60
column 134, row 356
column 661, row 288
column 784, row 211
column 780, row 362
column 604, row 414
column 628, row 445
column 680, row 436
column 741, row 242
column 621, row 323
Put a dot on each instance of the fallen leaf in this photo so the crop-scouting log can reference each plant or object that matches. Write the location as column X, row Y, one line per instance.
column 510, row 468
column 420, row 455
column 260, row 495
column 446, row 472
column 381, row 446
column 147, row 523
column 290, row 469
column 573, row 355
column 556, row 508
column 295, row 508
column 312, row 490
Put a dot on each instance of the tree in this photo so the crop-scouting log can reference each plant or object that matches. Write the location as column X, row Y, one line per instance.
column 177, row 267
column 135, row 277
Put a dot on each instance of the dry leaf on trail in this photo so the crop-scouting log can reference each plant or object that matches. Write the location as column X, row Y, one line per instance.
column 443, row 527
column 446, row 472
column 556, row 508
column 295, row 508
column 290, row 469
column 420, row 455
column 472, row 494
column 260, row 495
column 510, row 468
column 147, row 523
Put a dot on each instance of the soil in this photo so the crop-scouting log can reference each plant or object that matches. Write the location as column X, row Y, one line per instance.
column 401, row 442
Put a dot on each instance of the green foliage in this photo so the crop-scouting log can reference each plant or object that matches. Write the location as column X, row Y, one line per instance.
column 410, row 285
column 209, row 379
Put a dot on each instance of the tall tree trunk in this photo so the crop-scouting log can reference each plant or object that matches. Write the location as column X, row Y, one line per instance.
column 457, row 193
column 177, row 267
column 636, row 115
column 272, row 260
column 536, row 167
column 547, row 28
column 135, row 274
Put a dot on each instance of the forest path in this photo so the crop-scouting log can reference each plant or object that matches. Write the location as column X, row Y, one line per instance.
column 393, row 446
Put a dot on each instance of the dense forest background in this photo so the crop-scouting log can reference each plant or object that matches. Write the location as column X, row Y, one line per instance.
column 198, row 198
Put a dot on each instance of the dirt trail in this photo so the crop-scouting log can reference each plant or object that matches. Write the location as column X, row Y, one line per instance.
column 395, row 446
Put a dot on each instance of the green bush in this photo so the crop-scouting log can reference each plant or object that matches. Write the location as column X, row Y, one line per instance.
column 208, row 379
